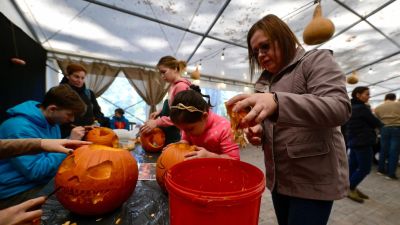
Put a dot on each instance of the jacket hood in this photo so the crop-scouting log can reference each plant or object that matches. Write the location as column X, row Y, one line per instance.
column 29, row 110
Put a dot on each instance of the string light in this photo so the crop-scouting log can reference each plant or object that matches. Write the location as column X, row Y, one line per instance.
column 370, row 71
column 223, row 54
column 200, row 65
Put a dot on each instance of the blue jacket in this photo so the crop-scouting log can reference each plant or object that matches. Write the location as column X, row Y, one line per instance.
column 22, row 173
column 119, row 123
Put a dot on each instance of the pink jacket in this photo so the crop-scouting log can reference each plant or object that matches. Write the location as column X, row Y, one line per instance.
column 180, row 85
column 217, row 137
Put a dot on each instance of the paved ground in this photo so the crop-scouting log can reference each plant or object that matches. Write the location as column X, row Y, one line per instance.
column 383, row 207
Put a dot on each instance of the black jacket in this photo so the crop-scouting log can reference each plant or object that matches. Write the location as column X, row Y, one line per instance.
column 93, row 110
column 360, row 129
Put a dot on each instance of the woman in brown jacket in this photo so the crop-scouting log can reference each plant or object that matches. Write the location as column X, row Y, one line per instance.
column 301, row 104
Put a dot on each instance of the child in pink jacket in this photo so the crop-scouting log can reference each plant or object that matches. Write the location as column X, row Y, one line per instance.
column 210, row 132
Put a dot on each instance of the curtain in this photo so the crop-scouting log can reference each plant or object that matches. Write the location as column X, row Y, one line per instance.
column 148, row 84
column 99, row 76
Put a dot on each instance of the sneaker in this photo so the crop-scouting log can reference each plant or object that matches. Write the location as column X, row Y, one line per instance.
column 362, row 195
column 391, row 177
column 380, row 173
column 353, row 195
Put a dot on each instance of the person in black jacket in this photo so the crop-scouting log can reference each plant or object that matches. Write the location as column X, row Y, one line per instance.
column 361, row 136
column 75, row 78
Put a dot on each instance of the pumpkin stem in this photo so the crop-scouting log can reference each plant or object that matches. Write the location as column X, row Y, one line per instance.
column 318, row 11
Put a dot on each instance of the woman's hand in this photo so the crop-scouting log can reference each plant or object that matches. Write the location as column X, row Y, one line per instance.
column 254, row 134
column 262, row 105
column 61, row 145
column 148, row 126
column 20, row 214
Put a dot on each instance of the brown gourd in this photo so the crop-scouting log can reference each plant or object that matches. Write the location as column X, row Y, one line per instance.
column 195, row 74
column 319, row 30
column 353, row 78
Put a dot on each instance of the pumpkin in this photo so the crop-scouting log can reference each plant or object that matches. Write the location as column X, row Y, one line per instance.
column 103, row 136
column 353, row 78
column 319, row 30
column 153, row 141
column 236, row 126
column 172, row 154
column 96, row 179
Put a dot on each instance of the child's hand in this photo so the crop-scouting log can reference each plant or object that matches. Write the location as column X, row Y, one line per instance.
column 77, row 133
column 148, row 126
column 199, row 152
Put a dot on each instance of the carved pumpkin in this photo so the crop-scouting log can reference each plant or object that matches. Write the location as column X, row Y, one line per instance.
column 319, row 29
column 172, row 154
column 103, row 136
column 96, row 179
column 153, row 141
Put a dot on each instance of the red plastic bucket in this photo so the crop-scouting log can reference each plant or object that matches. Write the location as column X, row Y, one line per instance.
column 214, row 191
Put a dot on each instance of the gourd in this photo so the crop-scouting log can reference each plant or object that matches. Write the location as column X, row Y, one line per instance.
column 319, row 30
column 195, row 74
column 103, row 136
column 153, row 141
column 353, row 78
column 96, row 179
column 172, row 155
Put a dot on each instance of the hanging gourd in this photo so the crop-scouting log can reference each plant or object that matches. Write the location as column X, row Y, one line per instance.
column 195, row 75
column 319, row 30
column 172, row 154
column 103, row 136
column 153, row 141
column 353, row 78
column 96, row 179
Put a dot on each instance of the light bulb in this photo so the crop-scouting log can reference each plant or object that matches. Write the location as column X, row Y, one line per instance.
column 222, row 56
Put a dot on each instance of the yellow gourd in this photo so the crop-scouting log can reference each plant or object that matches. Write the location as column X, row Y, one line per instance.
column 319, row 29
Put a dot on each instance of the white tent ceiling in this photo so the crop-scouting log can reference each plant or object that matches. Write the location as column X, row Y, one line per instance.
column 367, row 36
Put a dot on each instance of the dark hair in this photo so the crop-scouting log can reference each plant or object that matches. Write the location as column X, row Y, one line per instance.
column 390, row 96
column 277, row 31
column 358, row 90
column 75, row 67
column 172, row 63
column 120, row 111
column 194, row 98
column 64, row 97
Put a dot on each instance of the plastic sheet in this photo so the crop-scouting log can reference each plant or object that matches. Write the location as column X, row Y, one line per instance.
column 148, row 205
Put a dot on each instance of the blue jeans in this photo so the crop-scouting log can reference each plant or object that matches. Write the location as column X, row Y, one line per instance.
column 390, row 148
column 360, row 162
column 299, row 211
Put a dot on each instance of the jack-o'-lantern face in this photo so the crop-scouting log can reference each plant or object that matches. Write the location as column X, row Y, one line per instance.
column 153, row 141
column 96, row 179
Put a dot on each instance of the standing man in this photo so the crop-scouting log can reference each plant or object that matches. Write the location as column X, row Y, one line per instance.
column 389, row 113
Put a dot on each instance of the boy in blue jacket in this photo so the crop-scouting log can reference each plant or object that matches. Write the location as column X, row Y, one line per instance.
column 25, row 175
column 119, row 121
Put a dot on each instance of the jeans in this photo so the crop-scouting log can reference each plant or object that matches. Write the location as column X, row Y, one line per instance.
column 299, row 211
column 360, row 162
column 390, row 148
